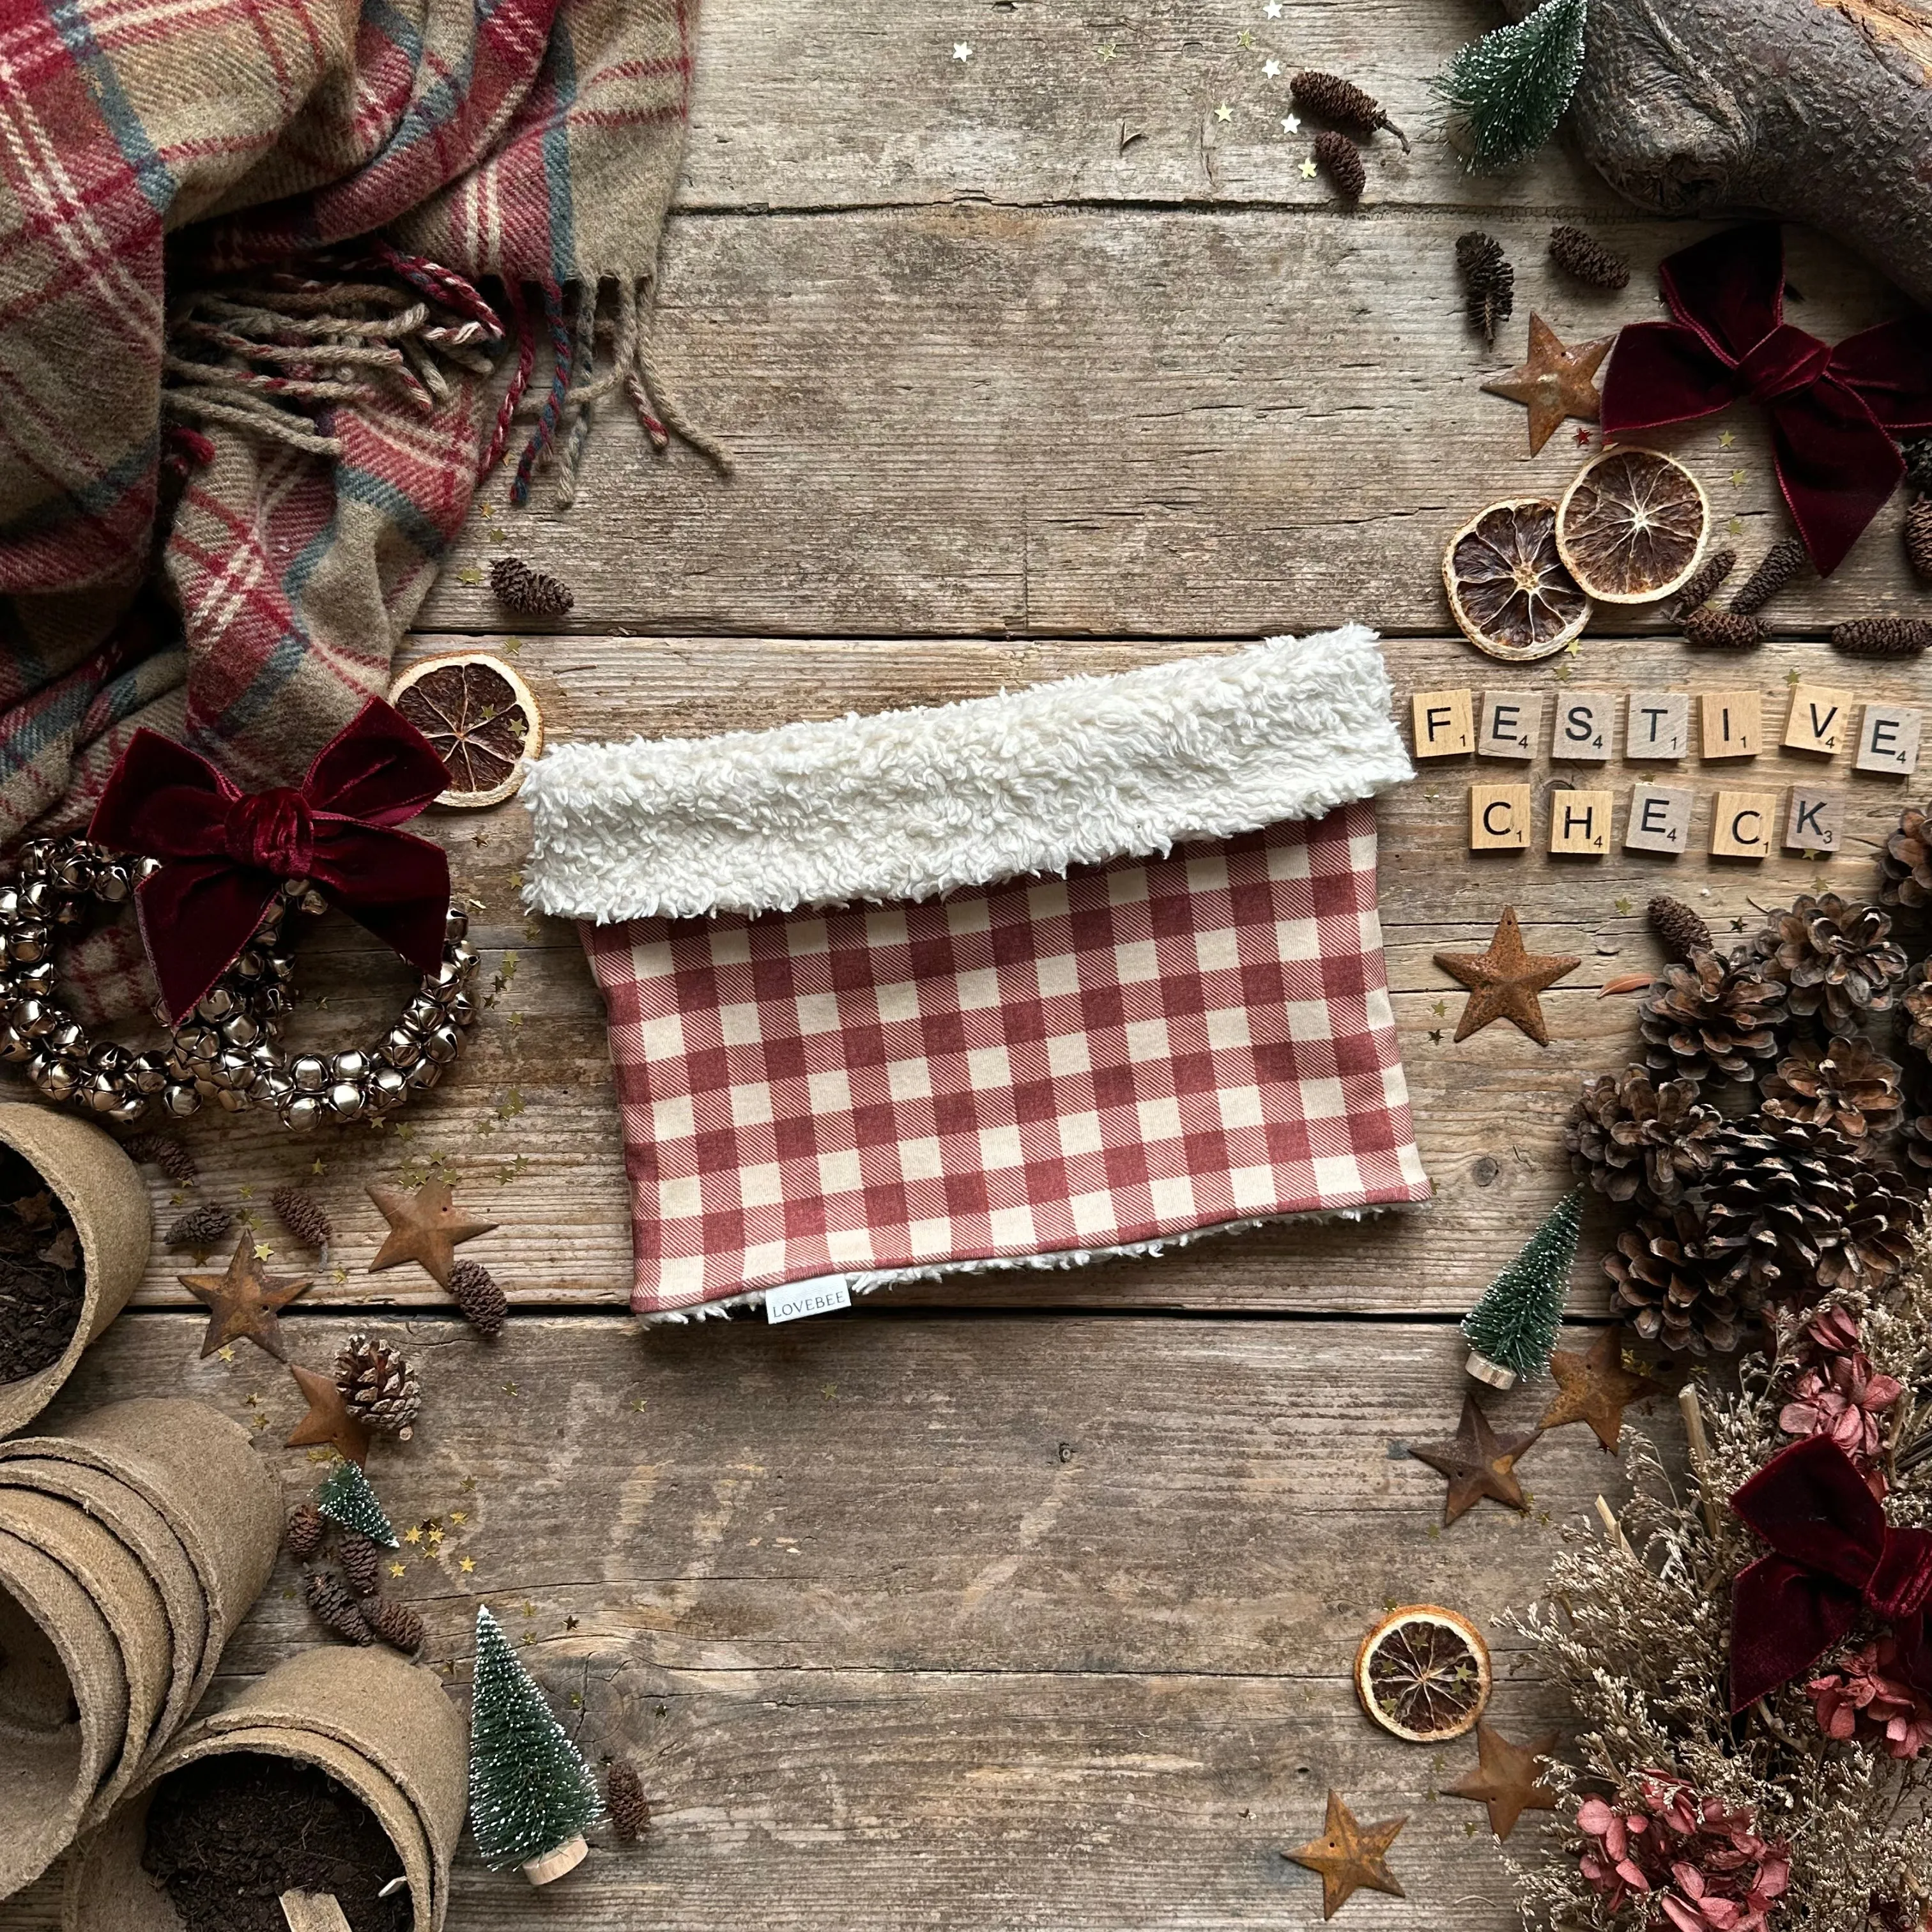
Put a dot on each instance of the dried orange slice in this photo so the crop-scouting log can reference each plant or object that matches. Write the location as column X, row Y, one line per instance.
column 1423, row 1673
column 1508, row 589
column 1632, row 526
column 481, row 717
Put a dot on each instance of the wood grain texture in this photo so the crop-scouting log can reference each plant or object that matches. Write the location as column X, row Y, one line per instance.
column 948, row 1620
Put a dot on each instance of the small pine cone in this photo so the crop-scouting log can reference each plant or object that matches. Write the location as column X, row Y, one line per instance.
column 1663, row 1286
column 1782, row 563
column 1489, row 282
column 1636, row 1139
column 166, row 1152
column 396, row 1623
column 1680, row 929
column 1341, row 161
column 1836, row 958
column 530, row 593
column 378, row 1385
column 1705, row 583
column 1918, row 464
column 473, row 1289
column 1882, row 637
column 304, row 1216
column 1919, row 537
column 1905, row 861
column 1711, row 1019
column 1586, row 258
column 200, row 1227
column 1845, row 1083
column 361, row 1563
column 1711, row 629
column 306, row 1529
column 1329, row 97
column 624, row 1798
column 335, row 1609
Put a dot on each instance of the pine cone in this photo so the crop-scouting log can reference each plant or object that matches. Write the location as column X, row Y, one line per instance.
column 378, row 1385
column 1846, row 1083
column 306, row 1528
column 1661, row 1287
column 1792, row 1211
column 1918, row 464
column 1919, row 537
column 1782, row 563
column 1711, row 629
column 1341, row 161
column 624, row 1798
column 1916, row 999
column 1837, row 960
column 1917, row 1145
column 1708, row 1019
column 361, row 1563
column 1704, row 584
column 335, row 1609
column 200, row 1227
column 1489, row 282
column 166, row 1152
column 530, row 593
column 1905, row 861
column 1341, row 102
column 1586, row 258
column 1635, row 1140
column 474, row 1290
column 304, row 1216
column 1882, row 637
column 1680, row 929
column 396, row 1623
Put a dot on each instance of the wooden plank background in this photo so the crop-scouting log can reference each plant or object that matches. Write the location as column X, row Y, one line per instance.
column 1030, row 1603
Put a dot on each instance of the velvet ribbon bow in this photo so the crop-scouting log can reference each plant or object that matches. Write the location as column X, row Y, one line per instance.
column 1833, row 1557
column 225, row 854
column 1833, row 411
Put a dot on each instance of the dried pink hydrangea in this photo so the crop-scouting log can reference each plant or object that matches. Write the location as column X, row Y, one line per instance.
column 1839, row 1394
column 1865, row 1697
column 1702, row 1868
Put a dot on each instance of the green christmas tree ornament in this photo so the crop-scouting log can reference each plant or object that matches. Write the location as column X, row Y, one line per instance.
column 1508, row 90
column 346, row 1498
column 1512, row 1329
column 531, row 1793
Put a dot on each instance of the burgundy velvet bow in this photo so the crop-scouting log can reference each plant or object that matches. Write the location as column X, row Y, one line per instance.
column 1831, row 409
column 225, row 853
column 1833, row 1556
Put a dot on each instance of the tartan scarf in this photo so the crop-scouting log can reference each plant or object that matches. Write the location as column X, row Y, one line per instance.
column 245, row 373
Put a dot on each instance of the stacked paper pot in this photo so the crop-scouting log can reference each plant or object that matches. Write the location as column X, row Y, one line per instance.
column 130, row 1548
column 107, row 1200
column 382, row 1729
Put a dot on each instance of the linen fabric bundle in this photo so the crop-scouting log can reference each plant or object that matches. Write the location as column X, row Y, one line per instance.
column 1083, row 970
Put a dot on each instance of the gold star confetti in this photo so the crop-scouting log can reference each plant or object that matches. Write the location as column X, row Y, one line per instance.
column 469, row 577
column 412, row 1535
column 1308, row 168
column 226, row 1352
column 1735, row 527
column 1224, row 112
column 1738, row 478
column 1728, row 440
column 398, row 1569
column 962, row 50
column 1245, row 38
column 459, row 1516
column 468, row 1564
column 435, row 1535
column 1108, row 51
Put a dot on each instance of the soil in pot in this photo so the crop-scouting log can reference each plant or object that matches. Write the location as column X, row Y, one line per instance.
column 42, row 1280
column 228, row 1834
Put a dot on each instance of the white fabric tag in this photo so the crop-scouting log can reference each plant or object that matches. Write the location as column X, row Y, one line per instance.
column 797, row 1299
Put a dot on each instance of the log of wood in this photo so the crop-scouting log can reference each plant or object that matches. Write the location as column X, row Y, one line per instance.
column 1819, row 111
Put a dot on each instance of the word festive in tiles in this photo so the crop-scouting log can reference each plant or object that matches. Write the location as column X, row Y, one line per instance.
column 1820, row 716
column 1498, row 818
column 1443, row 726
column 1585, row 722
column 1889, row 740
column 1579, row 823
column 1657, row 725
column 1741, row 823
column 1732, row 722
column 1509, row 725
column 1813, row 822
column 1660, row 819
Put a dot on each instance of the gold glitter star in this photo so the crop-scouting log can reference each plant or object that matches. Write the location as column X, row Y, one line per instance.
column 1728, row 440
column 435, row 1535
column 459, row 1516
column 226, row 1352
column 412, row 1535
column 1308, row 170
column 1738, row 478
column 468, row 1564
column 1108, row 51
column 1245, row 38
column 398, row 1569
column 1224, row 112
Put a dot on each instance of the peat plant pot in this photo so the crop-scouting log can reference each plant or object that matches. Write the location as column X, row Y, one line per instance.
column 104, row 1196
column 382, row 1729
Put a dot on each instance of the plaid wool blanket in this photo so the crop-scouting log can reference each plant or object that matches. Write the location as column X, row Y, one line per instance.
column 259, row 261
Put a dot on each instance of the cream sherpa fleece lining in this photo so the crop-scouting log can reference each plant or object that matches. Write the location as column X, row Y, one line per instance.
column 910, row 805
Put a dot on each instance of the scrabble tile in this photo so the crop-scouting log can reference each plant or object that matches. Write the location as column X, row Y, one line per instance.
column 1733, row 723
column 1510, row 724
column 1740, row 822
column 1444, row 728
column 1889, row 740
column 1814, row 821
column 1657, row 724
column 1498, row 818
column 1579, row 822
column 1820, row 719
column 1586, row 729
column 1660, row 819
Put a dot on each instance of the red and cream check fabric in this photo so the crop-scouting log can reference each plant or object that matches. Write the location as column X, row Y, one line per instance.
column 1043, row 1068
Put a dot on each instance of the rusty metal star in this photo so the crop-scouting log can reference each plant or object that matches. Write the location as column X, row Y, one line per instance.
column 243, row 1301
column 1595, row 1388
column 1477, row 1461
column 1506, row 1782
column 328, row 1419
column 1351, row 1857
column 424, row 1226
column 1556, row 382
column 1504, row 982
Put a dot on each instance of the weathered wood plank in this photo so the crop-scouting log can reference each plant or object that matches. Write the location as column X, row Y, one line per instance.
column 808, row 109
column 532, row 1101
column 975, row 421
column 913, row 1609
